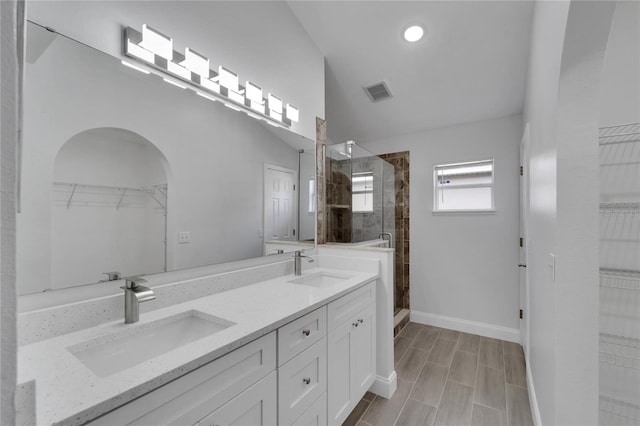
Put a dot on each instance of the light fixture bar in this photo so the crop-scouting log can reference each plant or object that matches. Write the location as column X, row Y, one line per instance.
column 156, row 42
column 196, row 63
column 155, row 50
column 135, row 67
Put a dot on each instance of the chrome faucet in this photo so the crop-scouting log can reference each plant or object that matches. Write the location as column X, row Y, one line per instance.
column 297, row 264
column 134, row 294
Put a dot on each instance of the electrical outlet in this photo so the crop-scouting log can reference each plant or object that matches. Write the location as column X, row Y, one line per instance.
column 184, row 237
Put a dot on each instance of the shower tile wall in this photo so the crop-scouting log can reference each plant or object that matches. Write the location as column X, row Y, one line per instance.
column 338, row 193
column 400, row 162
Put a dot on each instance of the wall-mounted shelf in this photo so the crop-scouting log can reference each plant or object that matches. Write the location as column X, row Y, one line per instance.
column 70, row 194
column 620, row 278
column 620, row 208
column 625, row 133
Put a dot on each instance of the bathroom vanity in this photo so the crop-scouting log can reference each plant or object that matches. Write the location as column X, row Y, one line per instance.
column 289, row 350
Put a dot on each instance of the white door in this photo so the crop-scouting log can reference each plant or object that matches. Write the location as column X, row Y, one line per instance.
column 280, row 206
column 524, row 248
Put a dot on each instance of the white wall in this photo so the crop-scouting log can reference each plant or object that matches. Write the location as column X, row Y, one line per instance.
column 96, row 229
column 464, row 267
column 215, row 166
column 565, row 64
column 262, row 41
column 620, row 89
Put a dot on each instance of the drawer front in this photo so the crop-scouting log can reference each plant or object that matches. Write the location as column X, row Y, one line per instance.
column 257, row 406
column 196, row 394
column 301, row 381
column 298, row 335
column 316, row 415
column 343, row 309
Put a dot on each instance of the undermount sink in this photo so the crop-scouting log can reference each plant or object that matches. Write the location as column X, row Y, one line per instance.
column 118, row 351
column 320, row 279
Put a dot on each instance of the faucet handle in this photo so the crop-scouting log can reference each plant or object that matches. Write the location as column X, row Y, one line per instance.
column 113, row 275
column 133, row 282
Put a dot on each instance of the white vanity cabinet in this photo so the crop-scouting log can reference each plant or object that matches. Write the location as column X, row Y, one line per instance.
column 256, row 407
column 311, row 371
column 351, row 352
column 200, row 393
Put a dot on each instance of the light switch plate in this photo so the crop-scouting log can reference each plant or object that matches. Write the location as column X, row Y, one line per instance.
column 184, row 237
column 552, row 266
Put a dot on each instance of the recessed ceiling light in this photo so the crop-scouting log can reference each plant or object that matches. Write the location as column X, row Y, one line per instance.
column 413, row 33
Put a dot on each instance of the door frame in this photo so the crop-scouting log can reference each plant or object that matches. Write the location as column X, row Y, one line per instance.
column 524, row 251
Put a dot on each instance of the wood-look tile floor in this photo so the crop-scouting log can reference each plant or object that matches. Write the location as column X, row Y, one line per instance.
column 446, row 377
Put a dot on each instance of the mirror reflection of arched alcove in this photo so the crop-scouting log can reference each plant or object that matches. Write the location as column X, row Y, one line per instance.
column 109, row 199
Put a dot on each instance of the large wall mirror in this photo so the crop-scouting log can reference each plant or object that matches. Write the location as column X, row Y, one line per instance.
column 123, row 171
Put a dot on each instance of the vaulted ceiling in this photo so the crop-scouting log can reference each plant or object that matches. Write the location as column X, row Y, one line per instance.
column 469, row 66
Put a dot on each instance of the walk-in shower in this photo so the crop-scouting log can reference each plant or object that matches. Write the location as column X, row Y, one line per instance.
column 361, row 205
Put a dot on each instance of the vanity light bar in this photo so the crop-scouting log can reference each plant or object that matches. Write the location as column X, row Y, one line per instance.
column 155, row 49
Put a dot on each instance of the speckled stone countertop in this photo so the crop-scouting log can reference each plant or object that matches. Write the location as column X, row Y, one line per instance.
column 68, row 393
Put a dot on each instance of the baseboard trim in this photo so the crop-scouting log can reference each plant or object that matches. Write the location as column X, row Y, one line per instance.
column 533, row 400
column 473, row 327
column 385, row 386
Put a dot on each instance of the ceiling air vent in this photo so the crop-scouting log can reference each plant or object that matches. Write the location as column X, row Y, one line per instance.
column 378, row 91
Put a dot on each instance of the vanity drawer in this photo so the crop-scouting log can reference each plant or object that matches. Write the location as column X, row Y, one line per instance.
column 350, row 304
column 316, row 415
column 298, row 335
column 194, row 395
column 301, row 381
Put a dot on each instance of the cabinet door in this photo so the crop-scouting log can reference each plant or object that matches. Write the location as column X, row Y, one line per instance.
column 257, row 406
column 364, row 340
column 339, row 357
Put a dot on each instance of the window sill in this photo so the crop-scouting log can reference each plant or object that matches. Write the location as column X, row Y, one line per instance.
column 456, row 212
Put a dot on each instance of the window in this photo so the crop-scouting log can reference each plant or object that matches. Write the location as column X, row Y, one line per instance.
column 463, row 186
column 362, row 192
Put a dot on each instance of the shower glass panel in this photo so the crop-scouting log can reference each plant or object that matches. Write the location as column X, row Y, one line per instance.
column 360, row 195
column 361, row 201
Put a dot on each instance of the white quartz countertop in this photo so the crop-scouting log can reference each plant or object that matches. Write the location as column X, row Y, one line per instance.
column 67, row 392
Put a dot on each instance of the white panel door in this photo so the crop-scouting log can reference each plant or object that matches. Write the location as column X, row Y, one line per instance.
column 280, row 203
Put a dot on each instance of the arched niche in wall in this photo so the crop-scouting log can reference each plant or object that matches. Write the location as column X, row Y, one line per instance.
column 109, row 207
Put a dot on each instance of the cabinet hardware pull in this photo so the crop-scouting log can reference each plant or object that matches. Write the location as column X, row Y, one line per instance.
column 306, row 332
column 306, row 380
column 360, row 320
column 355, row 324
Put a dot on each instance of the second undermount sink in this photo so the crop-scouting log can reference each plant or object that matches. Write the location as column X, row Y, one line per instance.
column 320, row 279
column 118, row 351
